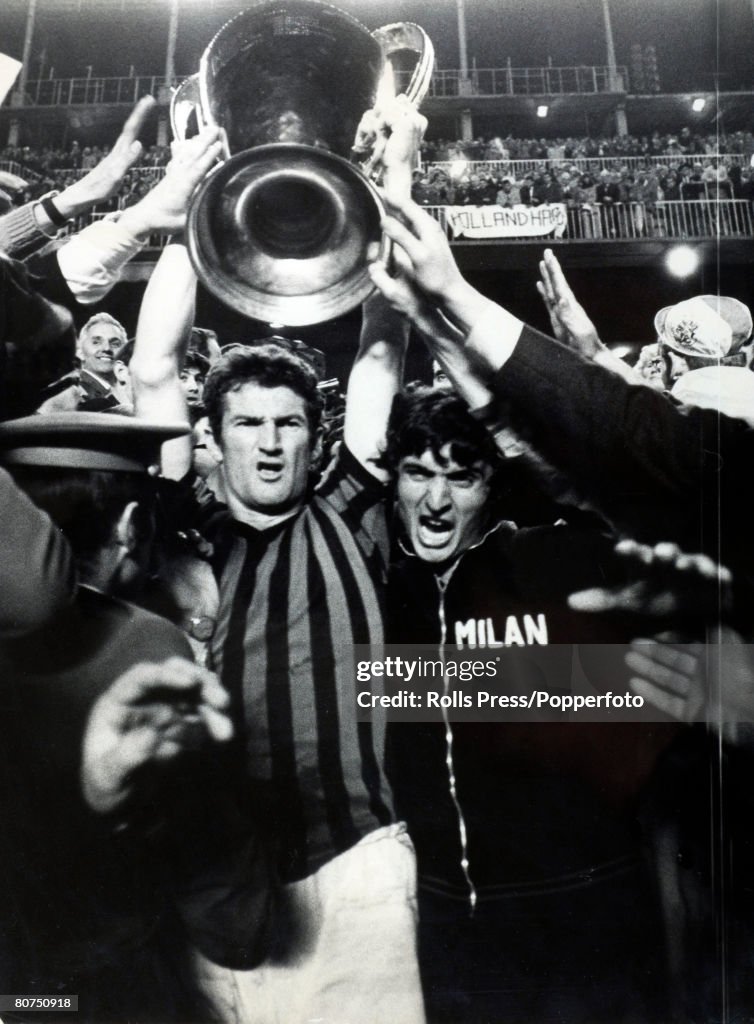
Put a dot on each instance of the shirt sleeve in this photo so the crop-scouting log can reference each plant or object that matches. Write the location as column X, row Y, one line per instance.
column 660, row 471
column 189, row 505
column 359, row 498
column 21, row 233
column 92, row 261
column 37, row 576
column 494, row 336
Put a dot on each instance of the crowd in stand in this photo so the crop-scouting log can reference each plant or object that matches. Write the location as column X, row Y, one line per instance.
column 57, row 168
column 705, row 166
column 237, row 843
column 683, row 143
column 565, row 183
column 75, row 157
column 697, row 170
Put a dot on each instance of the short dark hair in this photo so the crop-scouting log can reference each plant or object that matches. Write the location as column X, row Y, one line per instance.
column 86, row 504
column 196, row 361
column 428, row 418
column 270, row 366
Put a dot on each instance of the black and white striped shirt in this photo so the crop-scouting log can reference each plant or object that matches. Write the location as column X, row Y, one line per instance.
column 294, row 599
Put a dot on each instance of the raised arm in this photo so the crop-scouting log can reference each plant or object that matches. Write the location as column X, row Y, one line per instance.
column 92, row 261
column 162, row 334
column 570, row 323
column 375, row 379
column 167, row 310
column 378, row 369
column 425, row 263
column 28, row 228
column 647, row 465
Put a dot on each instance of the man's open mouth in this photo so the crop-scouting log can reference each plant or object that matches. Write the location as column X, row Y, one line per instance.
column 270, row 470
column 434, row 532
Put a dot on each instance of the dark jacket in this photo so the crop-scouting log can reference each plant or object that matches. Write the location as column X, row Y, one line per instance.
column 110, row 907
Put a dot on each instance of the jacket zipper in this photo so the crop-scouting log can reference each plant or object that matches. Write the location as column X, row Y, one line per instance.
column 449, row 762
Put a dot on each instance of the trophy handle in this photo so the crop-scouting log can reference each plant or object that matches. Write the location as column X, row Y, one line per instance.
column 406, row 49
column 186, row 118
column 405, row 39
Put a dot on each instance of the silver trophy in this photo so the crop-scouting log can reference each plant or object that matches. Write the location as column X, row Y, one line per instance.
column 280, row 229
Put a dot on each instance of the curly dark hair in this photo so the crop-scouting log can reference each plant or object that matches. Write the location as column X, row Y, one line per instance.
column 427, row 418
column 270, row 366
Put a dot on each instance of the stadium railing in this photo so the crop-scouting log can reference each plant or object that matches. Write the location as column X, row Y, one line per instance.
column 669, row 220
column 67, row 92
column 506, row 81
column 510, row 81
column 518, row 168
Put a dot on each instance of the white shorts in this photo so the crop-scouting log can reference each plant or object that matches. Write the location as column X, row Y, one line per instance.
column 352, row 954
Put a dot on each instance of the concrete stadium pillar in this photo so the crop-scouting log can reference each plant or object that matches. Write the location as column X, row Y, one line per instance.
column 163, row 130
column 467, row 125
column 19, row 93
column 621, row 121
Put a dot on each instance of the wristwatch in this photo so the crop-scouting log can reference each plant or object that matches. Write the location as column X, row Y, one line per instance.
column 51, row 211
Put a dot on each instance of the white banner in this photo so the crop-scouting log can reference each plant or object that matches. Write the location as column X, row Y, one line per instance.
column 507, row 222
column 9, row 69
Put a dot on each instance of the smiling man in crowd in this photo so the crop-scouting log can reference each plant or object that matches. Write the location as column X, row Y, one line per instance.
column 100, row 341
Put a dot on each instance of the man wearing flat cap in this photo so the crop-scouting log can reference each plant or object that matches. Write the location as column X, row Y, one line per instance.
column 706, row 330
column 121, row 847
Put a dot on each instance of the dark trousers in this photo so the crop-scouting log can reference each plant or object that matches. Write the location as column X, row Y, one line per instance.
column 589, row 954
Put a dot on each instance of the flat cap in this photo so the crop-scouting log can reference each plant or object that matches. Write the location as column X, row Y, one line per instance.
column 85, row 440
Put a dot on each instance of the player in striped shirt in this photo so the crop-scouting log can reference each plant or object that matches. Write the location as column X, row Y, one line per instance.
column 301, row 574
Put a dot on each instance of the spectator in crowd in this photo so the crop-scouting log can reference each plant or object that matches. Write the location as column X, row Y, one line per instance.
column 101, row 340
column 706, row 330
column 423, row 191
column 608, row 195
column 670, row 186
column 101, row 379
column 192, row 376
column 509, row 193
column 691, row 185
column 527, row 187
column 476, row 191
column 547, row 190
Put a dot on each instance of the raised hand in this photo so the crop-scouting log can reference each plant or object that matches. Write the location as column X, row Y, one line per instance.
column 712, row 683
column 422, row 253
column 692, row 682
column 104, row 180
column 164, row 208
column 150, row 714
column 388, row 140
column 569, row 320
column 673, row 584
